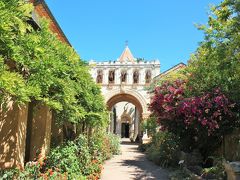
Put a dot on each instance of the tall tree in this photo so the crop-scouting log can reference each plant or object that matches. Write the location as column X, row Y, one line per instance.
column 216, row 62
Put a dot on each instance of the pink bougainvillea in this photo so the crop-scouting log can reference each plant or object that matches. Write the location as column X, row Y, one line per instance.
column 199, row 121
column 208, row 111
column 166, row 99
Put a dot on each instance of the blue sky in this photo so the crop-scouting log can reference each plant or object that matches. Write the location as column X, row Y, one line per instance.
column 155, row 29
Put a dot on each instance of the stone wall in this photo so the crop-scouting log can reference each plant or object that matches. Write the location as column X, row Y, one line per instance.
column 13, row 122
column 40, row 130
column 232, row 146
column 25, row 131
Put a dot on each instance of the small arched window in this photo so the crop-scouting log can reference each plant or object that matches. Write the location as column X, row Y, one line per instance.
column 99, row 76
column 111, row 76
column 135, row 76
column 148, row 76
column 123, row 76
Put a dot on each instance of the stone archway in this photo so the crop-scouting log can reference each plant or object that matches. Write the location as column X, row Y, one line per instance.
column 140, row 108
column 130, row 95
column 124, row 97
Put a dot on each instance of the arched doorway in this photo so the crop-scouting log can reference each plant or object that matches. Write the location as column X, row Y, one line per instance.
column 126, row 123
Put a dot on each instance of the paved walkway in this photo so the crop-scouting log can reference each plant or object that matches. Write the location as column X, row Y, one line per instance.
column 132, row 164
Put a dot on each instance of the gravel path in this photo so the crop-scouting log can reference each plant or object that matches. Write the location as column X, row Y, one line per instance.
column 132, row 164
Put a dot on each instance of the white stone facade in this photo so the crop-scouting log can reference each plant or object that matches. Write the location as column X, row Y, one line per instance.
column 126, row 77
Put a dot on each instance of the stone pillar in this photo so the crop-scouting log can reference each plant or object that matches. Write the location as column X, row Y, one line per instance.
column 130, row 76
column 105, row 76
column 40, row 135
column 142, row 76
column 131, row 124
column 13, row 123
column 136, row 124
column 117, row 76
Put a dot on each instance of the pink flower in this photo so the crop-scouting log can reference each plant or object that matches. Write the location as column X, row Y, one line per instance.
column 204, row 122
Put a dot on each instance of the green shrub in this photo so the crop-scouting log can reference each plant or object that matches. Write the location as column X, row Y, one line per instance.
column 96, row 145
column 163, row 149
column 114, row 142
column 83, row 154
column 65, row 158
column 9, row 174
column 179, row 174
column 73, row 158
column 103, row 145
column 79, row 159
column 143, row 147
column 150, row 125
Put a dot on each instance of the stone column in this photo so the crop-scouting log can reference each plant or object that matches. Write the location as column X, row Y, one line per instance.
column 136, row 124
column 131, row 135
column 142, row 76
column 105, row 76
column 117, row 76
column 130, row 76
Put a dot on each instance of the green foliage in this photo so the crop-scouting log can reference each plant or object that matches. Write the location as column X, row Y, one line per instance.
column 217, row 171
column 170, row 77
column 36, row 65
column 84, row 156
column 216, row 61
column 114, row 142
column 209, row 104
column 65, row 158
column 103, row 145
column 150, row 125
column 13, row 24
column 180, row 174
column 163, row 149
column 8, row 174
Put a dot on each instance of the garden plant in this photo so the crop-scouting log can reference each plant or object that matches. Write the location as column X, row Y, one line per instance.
column 37, row 68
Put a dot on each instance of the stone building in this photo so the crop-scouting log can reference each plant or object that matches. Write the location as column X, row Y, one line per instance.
column 123, row 83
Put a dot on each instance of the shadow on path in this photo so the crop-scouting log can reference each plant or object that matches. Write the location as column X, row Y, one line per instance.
column 145, row 168
column 132, row 164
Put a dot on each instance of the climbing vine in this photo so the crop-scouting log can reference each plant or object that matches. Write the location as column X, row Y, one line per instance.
column 36, row 66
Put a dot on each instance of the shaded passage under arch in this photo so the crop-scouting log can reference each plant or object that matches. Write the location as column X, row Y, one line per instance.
column 125, row 127
column 124, row 97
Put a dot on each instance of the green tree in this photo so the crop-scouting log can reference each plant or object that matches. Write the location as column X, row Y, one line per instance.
column 216, row 61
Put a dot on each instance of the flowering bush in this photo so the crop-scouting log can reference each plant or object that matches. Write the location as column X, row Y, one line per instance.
column 201, row 121
column 209, row 112
column 164, row 103
column 78, row 159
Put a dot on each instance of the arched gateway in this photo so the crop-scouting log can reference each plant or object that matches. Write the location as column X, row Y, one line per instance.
column 123, row 84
